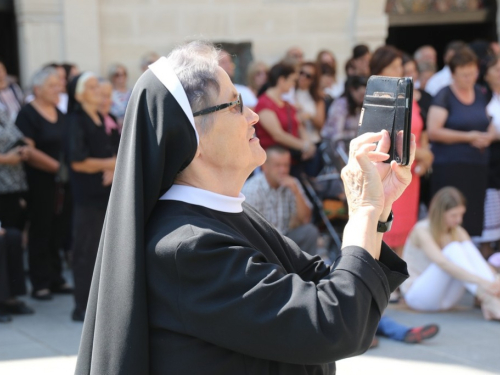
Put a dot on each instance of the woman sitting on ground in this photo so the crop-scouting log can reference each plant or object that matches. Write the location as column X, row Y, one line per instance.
column 443, row 262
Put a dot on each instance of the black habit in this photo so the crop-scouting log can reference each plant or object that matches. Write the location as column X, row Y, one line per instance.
column 197, row 283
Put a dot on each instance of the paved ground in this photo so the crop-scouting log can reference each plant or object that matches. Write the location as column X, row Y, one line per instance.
column 46, row 344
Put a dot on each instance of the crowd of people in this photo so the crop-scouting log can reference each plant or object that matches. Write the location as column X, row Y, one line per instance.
column 58, row 147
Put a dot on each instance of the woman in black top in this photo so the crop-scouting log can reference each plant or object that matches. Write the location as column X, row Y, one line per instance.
column 91, row 155
column 42, row 125
column 460, row 131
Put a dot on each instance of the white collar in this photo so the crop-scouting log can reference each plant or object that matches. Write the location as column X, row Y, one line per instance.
column 166, row 75
column 205, row 198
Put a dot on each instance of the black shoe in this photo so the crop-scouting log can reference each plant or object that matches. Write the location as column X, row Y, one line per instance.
column 41, row 296
column 18, row 308
column 4, row 315
column 5, row 318
column 62, row 289
column 78, row 315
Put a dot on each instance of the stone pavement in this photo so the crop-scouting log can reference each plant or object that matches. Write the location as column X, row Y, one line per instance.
column 46, row 344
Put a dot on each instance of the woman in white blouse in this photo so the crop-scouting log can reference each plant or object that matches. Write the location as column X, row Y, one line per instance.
column 443, row 262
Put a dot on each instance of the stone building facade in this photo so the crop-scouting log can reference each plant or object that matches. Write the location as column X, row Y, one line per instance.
column 97, row 33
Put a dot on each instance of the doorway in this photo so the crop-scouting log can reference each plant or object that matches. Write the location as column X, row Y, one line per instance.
column 410, row 31
column 9, row 52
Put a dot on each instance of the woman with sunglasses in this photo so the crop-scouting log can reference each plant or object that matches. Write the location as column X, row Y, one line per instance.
column 121, row 94
column 310, row 110
column 278, row 124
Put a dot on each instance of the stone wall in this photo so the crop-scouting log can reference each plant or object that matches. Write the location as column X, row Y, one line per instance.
column 97, row 33
column 130, row 28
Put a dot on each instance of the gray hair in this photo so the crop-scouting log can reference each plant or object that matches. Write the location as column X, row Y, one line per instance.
column 40, row 77
column 195, row 64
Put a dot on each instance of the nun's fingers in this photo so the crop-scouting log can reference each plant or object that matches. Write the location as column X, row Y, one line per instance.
column 385, row 143
column 376, row 156
column 413, row 149
column 363, row 139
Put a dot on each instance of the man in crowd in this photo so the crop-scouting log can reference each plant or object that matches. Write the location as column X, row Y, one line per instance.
column 294, row 56
column 443, row 77
column 281, row 200
column 226, row 63
column 426, row 58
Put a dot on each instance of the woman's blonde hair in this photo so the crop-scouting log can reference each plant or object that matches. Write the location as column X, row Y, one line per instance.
column 252, row 71
column 445, row 199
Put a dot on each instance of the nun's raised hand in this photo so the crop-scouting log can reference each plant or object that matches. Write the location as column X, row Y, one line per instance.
column 395, row 177
column 369, row 182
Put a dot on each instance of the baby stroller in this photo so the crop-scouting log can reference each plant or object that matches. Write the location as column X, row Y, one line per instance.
column 327, row 193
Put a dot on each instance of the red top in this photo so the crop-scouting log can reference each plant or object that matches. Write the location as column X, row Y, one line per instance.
column 286, row 116
column 405, row 209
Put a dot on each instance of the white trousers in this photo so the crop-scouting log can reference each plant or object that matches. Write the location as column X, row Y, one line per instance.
column 436, row 290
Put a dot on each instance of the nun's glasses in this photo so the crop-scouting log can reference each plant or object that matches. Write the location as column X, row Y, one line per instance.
column 238, row 103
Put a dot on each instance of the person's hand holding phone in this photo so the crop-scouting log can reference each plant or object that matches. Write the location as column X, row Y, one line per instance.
column 368, row 181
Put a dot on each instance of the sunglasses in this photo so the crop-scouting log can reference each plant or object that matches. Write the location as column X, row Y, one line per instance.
column 238, row 103
column 120, row 74
column 305, row 74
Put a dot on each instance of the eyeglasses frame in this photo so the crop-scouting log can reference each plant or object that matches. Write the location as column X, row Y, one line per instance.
column 220, row 107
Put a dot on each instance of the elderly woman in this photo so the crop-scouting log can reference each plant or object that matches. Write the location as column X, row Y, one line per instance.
column 121, row 93
column 185, row 263
column 42, row 125
column 91, row 155
column 460, row 132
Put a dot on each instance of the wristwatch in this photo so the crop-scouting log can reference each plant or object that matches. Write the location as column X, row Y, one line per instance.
column 385, row 227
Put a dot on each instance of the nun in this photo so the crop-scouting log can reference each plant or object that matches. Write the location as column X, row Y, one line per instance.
column 189, row 279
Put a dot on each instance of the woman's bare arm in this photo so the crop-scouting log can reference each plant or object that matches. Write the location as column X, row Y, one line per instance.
column 426, row 243
column 38, row 159
column 94, row 165
column 319, row 120
column 438, row 133
column 271, row 124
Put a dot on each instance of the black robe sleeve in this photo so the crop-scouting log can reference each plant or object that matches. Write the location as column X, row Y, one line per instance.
column 312, row 268
column 230, row 296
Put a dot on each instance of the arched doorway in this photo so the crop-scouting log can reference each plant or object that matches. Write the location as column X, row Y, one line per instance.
column 8, row 37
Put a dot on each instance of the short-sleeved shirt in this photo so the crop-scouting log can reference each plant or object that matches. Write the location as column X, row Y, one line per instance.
column 48, row 139
column 278, row 206
column 462, row 117
column 286, row 116
column 84, row 139
column 12, row 177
